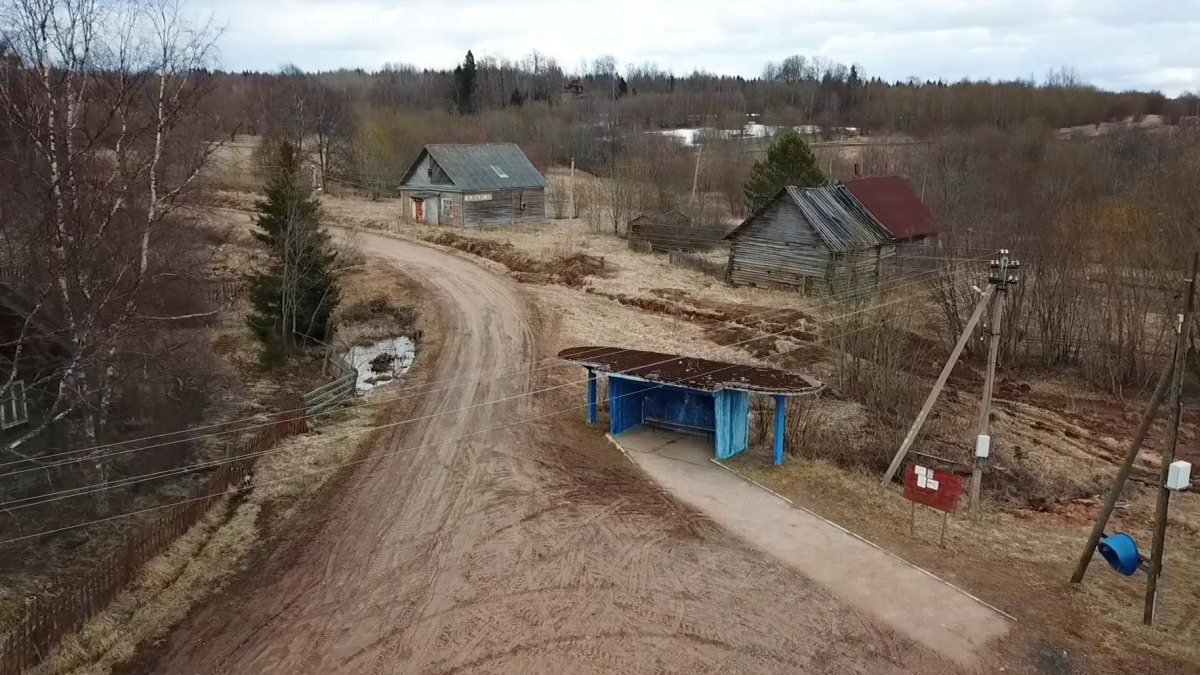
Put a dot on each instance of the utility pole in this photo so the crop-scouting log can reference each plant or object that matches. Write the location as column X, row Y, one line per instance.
column 571, row 216
column 915, row 429
column 1168, row 456
column 1002, row 274
column 1114, row 492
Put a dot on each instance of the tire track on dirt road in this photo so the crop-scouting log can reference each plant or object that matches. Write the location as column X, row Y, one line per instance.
column 532, row 549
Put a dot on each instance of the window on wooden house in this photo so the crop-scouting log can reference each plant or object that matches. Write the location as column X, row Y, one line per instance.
column 14, row 409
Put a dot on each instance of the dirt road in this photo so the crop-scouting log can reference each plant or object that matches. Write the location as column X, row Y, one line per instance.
column 536, row 549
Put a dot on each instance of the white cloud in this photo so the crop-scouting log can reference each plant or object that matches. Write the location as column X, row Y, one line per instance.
column 1112, row 44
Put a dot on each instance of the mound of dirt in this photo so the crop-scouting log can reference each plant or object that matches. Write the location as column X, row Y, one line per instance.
column 569, row 270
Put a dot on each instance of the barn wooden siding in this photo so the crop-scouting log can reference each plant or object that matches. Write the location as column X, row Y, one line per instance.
column 505, row 207
column 427, row 173
column 830, row 245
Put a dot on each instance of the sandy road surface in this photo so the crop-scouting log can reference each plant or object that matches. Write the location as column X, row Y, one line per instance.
column 536, row 549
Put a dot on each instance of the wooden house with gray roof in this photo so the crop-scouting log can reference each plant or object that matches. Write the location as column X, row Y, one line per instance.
column 817, row 240
column 473, row 186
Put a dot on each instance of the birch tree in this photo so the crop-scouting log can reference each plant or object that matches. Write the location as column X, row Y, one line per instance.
column 98, row 101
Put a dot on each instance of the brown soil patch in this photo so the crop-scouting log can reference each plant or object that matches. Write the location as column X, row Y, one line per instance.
column 570, row 270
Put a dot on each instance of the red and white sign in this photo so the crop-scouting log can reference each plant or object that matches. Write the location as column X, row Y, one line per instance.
column 936, row 489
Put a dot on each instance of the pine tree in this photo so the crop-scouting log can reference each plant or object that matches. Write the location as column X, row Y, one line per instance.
column 789, row 162
column 464, row 85
column 294, row 297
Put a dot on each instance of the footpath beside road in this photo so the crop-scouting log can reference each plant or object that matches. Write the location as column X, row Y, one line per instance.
column 914, row 602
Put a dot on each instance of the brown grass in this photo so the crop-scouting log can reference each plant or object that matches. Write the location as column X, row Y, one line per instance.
column 1020, row 560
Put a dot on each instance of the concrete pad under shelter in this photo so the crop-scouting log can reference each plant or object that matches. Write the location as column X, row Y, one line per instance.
column 912, row 601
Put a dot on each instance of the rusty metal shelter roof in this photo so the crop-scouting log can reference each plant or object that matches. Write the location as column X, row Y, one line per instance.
column 892, row 200
column 693, row 373
column 841, row 221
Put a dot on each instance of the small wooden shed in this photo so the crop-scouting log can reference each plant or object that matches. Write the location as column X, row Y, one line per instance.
column 472, row 186
column 668, row 230
column 817, row 240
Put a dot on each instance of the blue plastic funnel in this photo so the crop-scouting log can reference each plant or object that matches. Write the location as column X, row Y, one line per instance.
column 1120, row 550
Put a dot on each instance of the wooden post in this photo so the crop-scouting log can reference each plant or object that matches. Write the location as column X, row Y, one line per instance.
column 937, row 387
column 780, row 427
column 696, row 173
column 1114, row 492
column 1168, row 456
column 985, row 408
column 591, row 396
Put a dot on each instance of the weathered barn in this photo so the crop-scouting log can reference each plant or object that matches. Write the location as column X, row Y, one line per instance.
column 669, row 230
column 472, row 186
column 687, row 394
column 818, row 240
column 894, row 203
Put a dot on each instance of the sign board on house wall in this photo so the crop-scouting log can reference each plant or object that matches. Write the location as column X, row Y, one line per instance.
column 936, row 489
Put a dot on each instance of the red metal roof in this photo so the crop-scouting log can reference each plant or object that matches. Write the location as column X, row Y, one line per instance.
column 893, row 202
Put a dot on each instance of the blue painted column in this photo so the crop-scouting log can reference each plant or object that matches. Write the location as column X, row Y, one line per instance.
column 780, row 412
column 591, row 396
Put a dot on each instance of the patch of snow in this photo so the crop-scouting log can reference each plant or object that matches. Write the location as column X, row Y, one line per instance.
column 381, row 362
column 689, row 136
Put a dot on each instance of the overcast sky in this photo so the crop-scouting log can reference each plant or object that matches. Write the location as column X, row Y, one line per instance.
column 1116, row 45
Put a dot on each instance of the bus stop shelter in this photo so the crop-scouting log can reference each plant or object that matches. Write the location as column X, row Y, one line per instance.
column 683, row 393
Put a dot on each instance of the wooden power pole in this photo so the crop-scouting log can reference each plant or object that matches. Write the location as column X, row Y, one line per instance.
column 696, row 173
column 1003, row 274
column 1114, row 492
column 915, row 429
column 1168, row 455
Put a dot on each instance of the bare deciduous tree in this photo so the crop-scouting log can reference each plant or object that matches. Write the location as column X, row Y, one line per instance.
column 98, row 102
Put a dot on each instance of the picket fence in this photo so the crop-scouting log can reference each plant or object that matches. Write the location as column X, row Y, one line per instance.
column 48, row 620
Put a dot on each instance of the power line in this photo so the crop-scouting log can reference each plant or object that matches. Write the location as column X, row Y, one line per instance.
column 180, row 470
column 831, row 300
column 376, row 428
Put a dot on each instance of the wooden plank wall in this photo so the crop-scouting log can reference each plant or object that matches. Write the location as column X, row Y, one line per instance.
column 779, row 248
column 504, row 208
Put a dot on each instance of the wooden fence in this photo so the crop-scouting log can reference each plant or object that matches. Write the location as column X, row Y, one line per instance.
column 12, row 274
column 343, row 386
column 699, row 263
column 48, row 620
column 223, row 291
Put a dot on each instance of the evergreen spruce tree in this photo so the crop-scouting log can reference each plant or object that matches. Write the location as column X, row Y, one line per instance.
column 789, row 162
column 294, row 297
column 464, row 85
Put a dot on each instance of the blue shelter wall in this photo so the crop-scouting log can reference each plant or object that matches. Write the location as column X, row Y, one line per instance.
column 624, row 404
column 733, row 422
column 630, row 402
